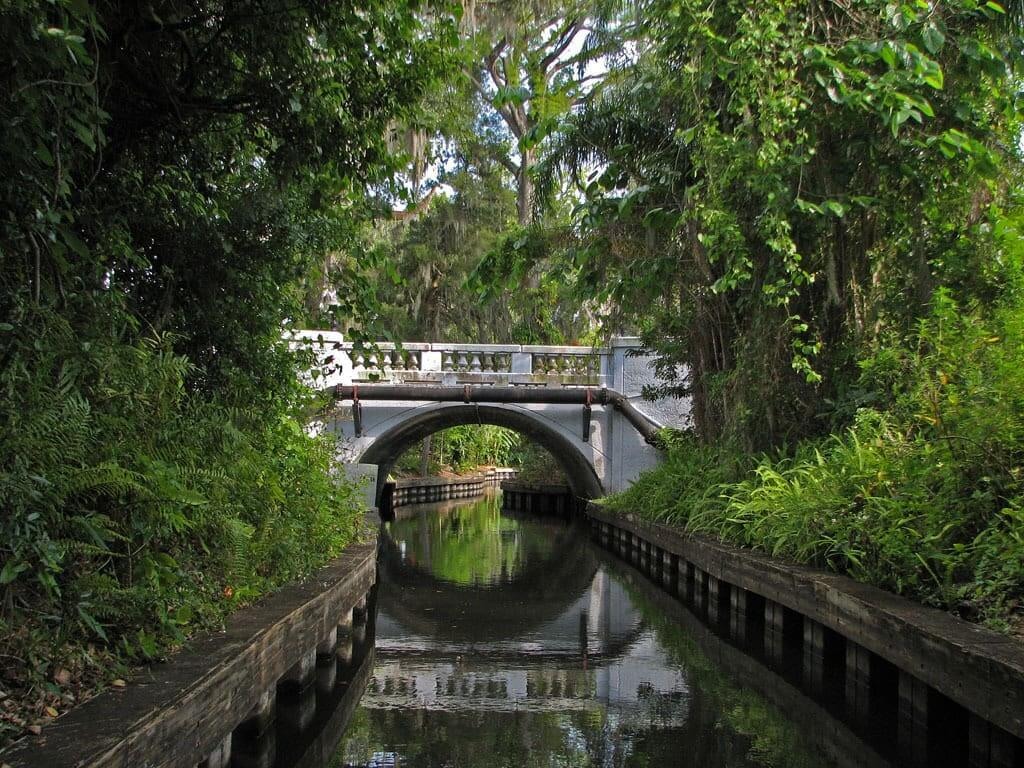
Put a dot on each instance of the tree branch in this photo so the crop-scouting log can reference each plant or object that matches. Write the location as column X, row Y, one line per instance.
column 564, row 40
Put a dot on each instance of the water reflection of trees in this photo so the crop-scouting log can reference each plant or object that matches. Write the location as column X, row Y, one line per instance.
column 468, row 543
column 497, row 577
column 500, row 652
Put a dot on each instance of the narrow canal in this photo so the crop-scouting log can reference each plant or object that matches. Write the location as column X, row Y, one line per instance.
column 500, row 639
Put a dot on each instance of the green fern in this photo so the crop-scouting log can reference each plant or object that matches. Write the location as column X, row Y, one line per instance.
column 237, row 537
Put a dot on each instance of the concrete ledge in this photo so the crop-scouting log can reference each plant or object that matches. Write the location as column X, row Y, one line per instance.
column 975, row 667
column 492, row 476
column 176, row 714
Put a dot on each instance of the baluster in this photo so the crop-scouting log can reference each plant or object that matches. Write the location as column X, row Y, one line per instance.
column 398, row 360
column 488, row 362
column 474, row 362
column 503, row 362
column 359, row 361
column 413, row 364
column 447, row 364
column 461, row 362
column 372, row 363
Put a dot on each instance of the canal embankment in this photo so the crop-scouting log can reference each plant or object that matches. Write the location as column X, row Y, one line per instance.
column 428, row 490
column 939, row 688
column 538, row 498
column 225, row 686
column 732, row 672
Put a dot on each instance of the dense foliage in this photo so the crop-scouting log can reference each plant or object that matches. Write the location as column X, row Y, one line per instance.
column 462, row 449
column 924, row 496
column 172, row 173
column 811, row 211
column 773, row 189
column 469, row 447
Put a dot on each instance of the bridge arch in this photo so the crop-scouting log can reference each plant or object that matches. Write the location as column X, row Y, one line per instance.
column 425, row 420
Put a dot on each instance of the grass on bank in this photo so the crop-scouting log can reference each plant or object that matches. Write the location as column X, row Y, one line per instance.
column 922, row 495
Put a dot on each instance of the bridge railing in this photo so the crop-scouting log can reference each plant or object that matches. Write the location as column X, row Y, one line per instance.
column 340, row 362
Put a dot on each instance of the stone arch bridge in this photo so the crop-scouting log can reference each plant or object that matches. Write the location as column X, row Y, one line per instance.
column 583, row 404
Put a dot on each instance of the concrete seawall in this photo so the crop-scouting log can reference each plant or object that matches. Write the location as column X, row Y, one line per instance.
column 938, row 679
column 424, row 490
column 184, row 712
column 538, row 498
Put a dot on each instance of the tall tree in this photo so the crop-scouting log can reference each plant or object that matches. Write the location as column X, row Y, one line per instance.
column 784, row 183
column 532, row 64
column 171, row 171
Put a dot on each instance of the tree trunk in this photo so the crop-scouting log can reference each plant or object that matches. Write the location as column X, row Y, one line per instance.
column 425, row 456
column 525, row 190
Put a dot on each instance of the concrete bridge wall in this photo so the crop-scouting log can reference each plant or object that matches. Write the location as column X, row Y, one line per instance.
column 611, row 457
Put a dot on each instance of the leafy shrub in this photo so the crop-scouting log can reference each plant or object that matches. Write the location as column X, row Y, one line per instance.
column 537, row 465
column 135, row 510
column 464, row 448
column 922, row 495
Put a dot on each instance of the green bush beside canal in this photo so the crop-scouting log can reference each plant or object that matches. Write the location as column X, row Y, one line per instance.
column 143, row 512
column 922, row 495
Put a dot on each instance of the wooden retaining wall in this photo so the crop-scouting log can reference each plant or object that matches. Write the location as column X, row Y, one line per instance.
column 423, row 490
column 182, row 713
column 938, row 676
column 537, row 498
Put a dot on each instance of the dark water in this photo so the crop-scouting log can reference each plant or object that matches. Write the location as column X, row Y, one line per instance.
column 513, row 641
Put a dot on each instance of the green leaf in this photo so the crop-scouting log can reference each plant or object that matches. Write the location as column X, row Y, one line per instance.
column 147, row 644
column 11, row 570
column 90, row 621
column 73, row 242
column 836, row 208
column 935, row 78
column 510, row 95
column 888, row 55
column 44, row 155
column 808, row 207
column 932, row 37
column 84, row 134
column 80, row 8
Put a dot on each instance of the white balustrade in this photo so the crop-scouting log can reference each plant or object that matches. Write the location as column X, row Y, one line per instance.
column 345, row 362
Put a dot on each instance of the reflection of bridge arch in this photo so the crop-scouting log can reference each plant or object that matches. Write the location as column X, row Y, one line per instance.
column 541, row 592
column 616, row 663
column 392, row 436
column 543, row 604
